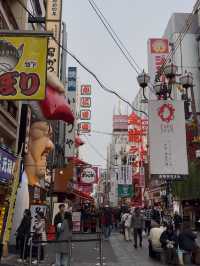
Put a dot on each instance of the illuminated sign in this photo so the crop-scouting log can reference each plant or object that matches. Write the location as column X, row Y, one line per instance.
column 85, row 102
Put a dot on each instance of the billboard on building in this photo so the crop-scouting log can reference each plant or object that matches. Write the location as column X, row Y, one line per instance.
column 23, row 58
column 158, row 49
column 85, row 109
column 167, row 139
column 71, row 128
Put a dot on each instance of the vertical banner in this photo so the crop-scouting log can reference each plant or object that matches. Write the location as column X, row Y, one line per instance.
column 70, row 129
column 125, row 182
column 53, row 24
column 85, row 109
column 158, row 49
column 167, row 140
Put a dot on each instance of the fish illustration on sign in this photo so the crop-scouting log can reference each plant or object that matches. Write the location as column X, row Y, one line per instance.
column 9, row 56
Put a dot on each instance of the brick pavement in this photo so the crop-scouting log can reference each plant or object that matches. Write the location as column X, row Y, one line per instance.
column 117, row 252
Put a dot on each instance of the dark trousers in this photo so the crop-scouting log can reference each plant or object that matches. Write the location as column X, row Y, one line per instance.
column 23, row 246
column 137, row 232
column 170, row 255
column 148, row 226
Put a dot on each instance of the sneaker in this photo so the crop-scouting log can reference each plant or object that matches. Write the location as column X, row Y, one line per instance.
column 34, row 262
column 19, row 260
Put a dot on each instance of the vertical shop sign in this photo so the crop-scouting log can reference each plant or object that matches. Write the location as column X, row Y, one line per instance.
column 158, row 49
column 85, row 109
column 125, row 182
column 70, row 129
column 53, row 24
column 167, row 140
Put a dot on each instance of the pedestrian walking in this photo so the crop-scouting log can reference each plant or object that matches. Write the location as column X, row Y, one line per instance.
column 59, row 218
column 155, row 215
column 106, row 222
column 137, row 223
column 147, row 218
column 23, row 235
column 177, row 219
column 126, row 221
column 40, row 235
column 64, row 234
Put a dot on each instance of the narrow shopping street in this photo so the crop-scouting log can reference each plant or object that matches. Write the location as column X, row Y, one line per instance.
column 116, row 252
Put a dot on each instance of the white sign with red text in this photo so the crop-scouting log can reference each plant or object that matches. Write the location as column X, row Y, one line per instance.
column 167, row 139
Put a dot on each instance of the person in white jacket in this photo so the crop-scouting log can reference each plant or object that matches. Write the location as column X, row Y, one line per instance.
column 126, row 220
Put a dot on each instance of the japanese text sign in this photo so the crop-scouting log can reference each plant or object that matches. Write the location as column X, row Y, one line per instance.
column 158, row 49
column 85, row 109
column 6, row 165
column 167, row 138
column 84, row 127
column 70, row 129
column 86, row 90
column 53, row 24
column 23, row 66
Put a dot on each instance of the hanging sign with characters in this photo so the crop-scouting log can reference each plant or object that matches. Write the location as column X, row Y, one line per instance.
column 6, row 165
column 23, row 66
column 84, row 126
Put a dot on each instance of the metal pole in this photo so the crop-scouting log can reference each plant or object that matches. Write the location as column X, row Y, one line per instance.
column 24, row 250
column 31, row 250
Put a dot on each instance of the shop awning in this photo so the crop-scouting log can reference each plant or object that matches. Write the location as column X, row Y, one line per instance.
column 82, row 195
column 79, row 142
column 77, row 161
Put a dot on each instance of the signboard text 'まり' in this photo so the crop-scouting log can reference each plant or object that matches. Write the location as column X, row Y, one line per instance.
column 23, row 66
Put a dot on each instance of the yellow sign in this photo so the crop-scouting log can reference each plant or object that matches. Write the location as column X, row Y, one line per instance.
column 23, row 60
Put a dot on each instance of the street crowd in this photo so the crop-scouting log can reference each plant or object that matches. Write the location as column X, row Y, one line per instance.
column 170, row 238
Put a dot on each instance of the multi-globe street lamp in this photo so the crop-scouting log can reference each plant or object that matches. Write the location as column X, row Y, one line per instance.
column 163, row 91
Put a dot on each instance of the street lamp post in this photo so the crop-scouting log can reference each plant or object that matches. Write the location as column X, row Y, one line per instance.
column 163, row 91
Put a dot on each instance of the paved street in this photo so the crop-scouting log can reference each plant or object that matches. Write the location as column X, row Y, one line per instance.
column 116, row 252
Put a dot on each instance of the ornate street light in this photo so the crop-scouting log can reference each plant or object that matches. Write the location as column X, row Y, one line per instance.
column 186, row 80
column 170, row 71
column 143, row 81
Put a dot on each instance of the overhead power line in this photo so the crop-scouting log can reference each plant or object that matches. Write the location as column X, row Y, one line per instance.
column 180, row 38
column 86, row 68
column 115, row 37
column 118, row 41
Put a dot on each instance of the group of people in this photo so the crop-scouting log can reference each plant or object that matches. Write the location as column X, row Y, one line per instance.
column 36, row 232
column 24, row 234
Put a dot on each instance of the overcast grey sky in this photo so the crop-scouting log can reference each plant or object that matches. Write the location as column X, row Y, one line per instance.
column 135, row 21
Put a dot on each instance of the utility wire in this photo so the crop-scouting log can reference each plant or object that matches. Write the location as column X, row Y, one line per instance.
column 179, row 40
column 114, row 36
column 86, row 68
column 117, row 40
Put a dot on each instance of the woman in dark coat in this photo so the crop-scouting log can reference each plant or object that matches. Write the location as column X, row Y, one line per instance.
column 23, row 234
column 64, row 234
column 186, row 239
column 169, row 243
